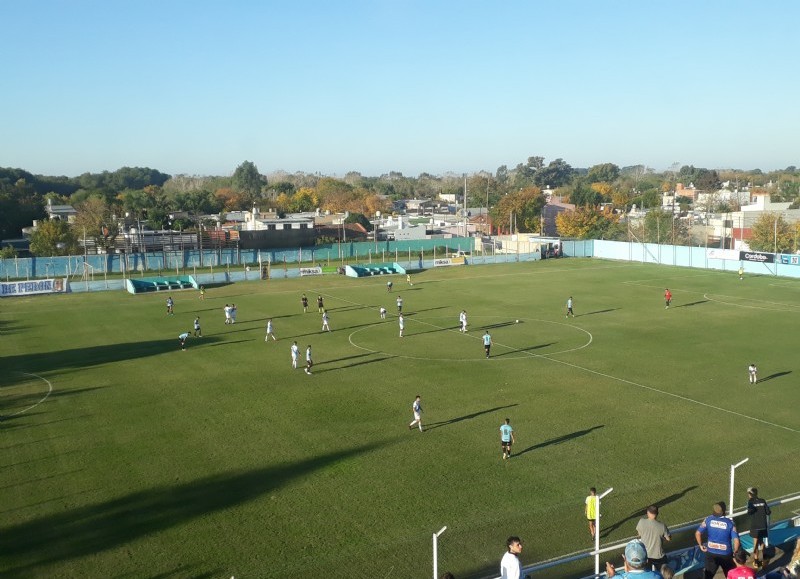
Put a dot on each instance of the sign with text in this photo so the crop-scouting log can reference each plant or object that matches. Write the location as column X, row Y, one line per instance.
column 310, row 271
column 729, row 254
column 27, row 288
column 790, row 259
column 757, row 256
column 448, row 261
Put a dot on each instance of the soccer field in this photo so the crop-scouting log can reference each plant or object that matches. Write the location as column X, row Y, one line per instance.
column 123, row 456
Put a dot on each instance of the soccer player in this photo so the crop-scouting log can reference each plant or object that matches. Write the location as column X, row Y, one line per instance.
column 389, row 285
column 182, row 338
column 202, row 292
column 569, row 308
column 295, row 353
column 402, row 322
column 320, row 304
column 759, row 511
column 227, row 310
column 325, row 320
column 487, row 342
column 234, row 311
column 198, row 333
column 304, row 301
column 408, row 279
column 591, row 511
column 170, row 306
column 667, row 298
column 399, row 305
column 506, row 438
column 462, row 320
column 416, row 408
column 309, row 361
column 383, row 313
column 270, row 332
column 741, row 272
column 752, row 371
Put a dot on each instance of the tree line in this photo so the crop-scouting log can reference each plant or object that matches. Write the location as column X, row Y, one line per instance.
column 514, row 196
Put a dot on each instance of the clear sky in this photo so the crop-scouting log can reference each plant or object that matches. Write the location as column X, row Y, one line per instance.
column 415, row 86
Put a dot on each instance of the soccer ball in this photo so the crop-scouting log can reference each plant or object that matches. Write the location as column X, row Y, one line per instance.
column 516, row 321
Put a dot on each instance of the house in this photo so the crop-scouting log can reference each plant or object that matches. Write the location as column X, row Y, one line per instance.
column 63, row 212
column 549, row 213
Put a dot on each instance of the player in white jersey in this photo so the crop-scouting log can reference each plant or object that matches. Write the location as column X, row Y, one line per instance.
column 752, row 371
column 462, row 320
column 383, row 313
column 198, row 333
column 402, row 322
column 325, row 320
column 295, row 353
column 270, row 332
column 416, row 408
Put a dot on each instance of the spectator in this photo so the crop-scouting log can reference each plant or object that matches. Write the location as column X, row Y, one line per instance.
column 651, row 531
column 792, row 570
column 667, row 572
column 635, row 563
column 510, row 567
column 723, row 541
column 759, row 511
column 741, row 571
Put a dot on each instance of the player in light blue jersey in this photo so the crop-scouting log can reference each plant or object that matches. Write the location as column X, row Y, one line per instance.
column 487, row 342
column 506, row 438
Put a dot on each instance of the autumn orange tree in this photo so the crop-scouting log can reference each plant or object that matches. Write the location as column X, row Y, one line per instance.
column 523, row 207
column 590, row 223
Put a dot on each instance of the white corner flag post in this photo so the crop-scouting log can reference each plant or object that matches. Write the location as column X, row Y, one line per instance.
column 733, row 475
column 597, row 532
column 436, row 552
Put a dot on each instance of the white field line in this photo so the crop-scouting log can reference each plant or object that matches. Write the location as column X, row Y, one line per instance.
column 715, row 299
column 49, row 391
column 602, row 374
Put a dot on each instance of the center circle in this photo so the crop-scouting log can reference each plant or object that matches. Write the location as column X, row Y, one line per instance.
column 438, row 339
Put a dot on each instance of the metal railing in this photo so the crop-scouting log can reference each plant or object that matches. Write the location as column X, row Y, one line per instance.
column 619, row 546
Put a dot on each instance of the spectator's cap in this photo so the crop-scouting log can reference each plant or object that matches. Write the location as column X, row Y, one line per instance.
column 752, row 491
column 635, row 553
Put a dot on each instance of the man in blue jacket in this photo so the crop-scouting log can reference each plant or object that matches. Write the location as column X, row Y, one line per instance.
column 723, row 541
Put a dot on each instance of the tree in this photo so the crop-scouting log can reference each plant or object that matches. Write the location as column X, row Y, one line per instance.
column 8, row 252
column 707, row 180
column 53, row 237
column 770, row 230
column 605, row 173
column 660, row 226
column 590, row 223
column 524, row 208
column 95, row 220
column 583, row 195
column 556, row 174
column 248, row 182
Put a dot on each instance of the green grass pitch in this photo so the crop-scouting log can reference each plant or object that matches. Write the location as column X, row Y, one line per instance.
column 146, row 461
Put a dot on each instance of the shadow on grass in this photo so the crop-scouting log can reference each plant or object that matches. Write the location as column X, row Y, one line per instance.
column 458, row 419
column 79, row 358
column 91, row 529
column 528, row 349
column 639, row 513
column 691, row 304
column 353, row 365
column 10, row 327
column 775, row 375
column 501, row 325
column 560, row 439
column 597, row 312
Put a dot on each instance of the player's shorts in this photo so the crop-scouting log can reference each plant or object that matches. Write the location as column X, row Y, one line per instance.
column 758, row 533
column 417, row 416
column 504, row 444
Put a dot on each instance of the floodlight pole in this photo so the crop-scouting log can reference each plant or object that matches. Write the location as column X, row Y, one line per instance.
column 436, row 552
column 597, row 532
column 733, row 471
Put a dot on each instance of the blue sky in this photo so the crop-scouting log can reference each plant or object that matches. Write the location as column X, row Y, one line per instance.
column 394, row 85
